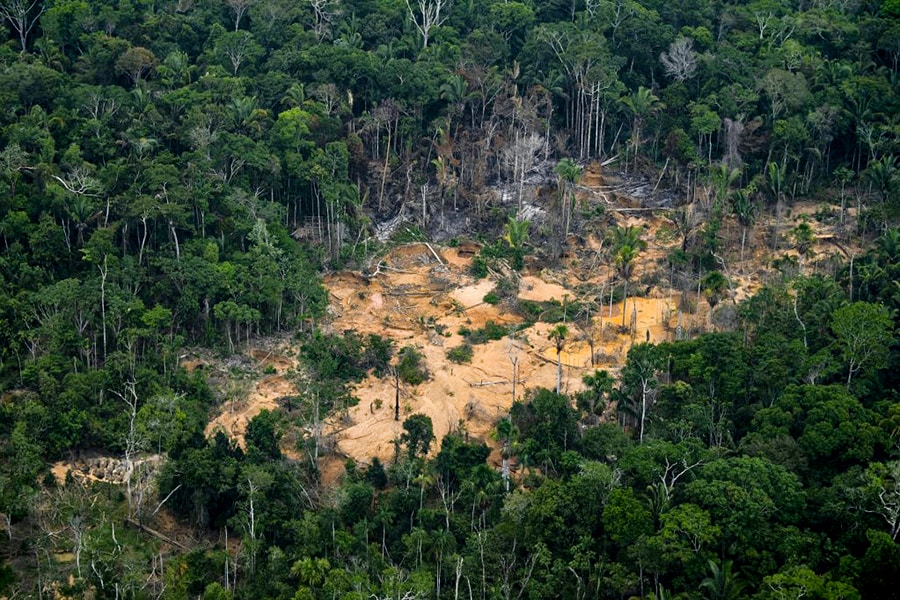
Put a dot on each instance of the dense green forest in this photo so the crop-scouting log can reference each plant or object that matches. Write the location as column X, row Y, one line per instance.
column 180, row 173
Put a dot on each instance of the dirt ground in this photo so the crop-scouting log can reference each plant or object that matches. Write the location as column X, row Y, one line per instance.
column 420, row 295
column 421, row 302
column 242, row 403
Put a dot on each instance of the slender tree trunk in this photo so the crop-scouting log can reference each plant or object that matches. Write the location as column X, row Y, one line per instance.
column 643, row 411
column 397, row 395
column 558, row 370
column 103, row 272
column 743, row 241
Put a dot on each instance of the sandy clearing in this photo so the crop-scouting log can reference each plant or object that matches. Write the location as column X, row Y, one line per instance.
column 417, row 300
column 537, row 290
column 472, row 295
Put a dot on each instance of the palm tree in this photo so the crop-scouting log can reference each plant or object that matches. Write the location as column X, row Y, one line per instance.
column 883, row 175
column 721, row 179
column 714, row 284
column 569, row 172
column 721, row 584
column 456, row 92
column 517, row 236
column 888, row 246
column 627, row 244
column 593, row 400
column 641, row 104
column 803, row 237
column 776, row 183
column 295, row 95
column 745, row 209
column 81, row 210
column 558, row 336
column 507, row 434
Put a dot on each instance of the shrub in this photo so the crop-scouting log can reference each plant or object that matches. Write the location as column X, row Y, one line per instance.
column 460, row 354
column 478, row 269
column 411, row 367
column 490, row 331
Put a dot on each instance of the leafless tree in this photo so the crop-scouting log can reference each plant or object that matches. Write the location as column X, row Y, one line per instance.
column 426, row 15
column 134, row 443
column 734, row 129
column 324, row 13
column 680, row 62
column 239, row 8
column 519, row 158
column 22, row 16
column 237, row 47
column 884, row 486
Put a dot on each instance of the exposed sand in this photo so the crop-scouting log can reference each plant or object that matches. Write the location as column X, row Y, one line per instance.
column 417, row 301
column 420, row 300
column 237, row 412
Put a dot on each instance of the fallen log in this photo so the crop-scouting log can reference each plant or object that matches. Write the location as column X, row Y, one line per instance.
column 161, row 537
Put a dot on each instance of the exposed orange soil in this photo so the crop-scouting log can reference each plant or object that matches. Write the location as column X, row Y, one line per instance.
column 238, row 411
column 418, row 299
column 420, row 302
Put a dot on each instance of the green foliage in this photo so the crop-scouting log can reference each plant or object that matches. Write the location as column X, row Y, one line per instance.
column 418, row 435
column 547, row 427
column 263, row 437
column 491, row 331
column 411, row 367
column 491, row 298
column 461, row 354
column 179, row 175
column 346, row 357
column 457, row 459
column 864, row 332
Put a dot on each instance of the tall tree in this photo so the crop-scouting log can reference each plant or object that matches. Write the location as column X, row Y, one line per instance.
column 558, row 336
column 426, row 15
column 568, row 172
column 864, row 333
column 641, row 104
column 627, row 245
column 239, row 8
column 638, row 382
column 745, row 209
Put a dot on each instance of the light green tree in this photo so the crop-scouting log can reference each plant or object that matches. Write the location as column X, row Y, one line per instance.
column 568, row 172
column 516, row 236
column 864, row 334
column 745, row 209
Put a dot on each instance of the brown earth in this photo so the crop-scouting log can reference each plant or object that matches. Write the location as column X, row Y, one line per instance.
column 420, row 302
column 241, row 405
column 420, row 295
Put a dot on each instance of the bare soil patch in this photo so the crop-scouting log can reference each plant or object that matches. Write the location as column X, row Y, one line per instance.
column 422, row 296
